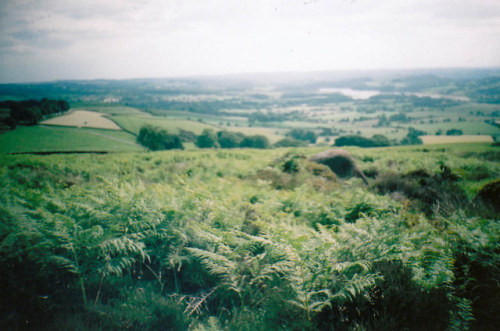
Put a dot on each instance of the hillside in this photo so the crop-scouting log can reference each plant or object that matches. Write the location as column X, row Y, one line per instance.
column 329, row 104
column 250, row 239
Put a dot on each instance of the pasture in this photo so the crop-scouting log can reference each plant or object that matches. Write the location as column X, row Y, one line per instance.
column 51, row 138
column 432, row 139
column 134, row 123
column 83, row 119
column 468, row 128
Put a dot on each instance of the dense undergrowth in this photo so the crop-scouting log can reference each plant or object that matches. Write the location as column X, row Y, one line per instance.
column 247, row 239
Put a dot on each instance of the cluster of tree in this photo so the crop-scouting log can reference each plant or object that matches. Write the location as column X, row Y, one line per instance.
column 454, row 132
column 30, row 112
column 483, row 90
column 377, row 140
column 413, row 137
column 156, row 139
column 400, row 117
column 275, row 117
column 304, row 135
column 226, row 139
column 290, row 142
column 328, row 132
column 429, row 102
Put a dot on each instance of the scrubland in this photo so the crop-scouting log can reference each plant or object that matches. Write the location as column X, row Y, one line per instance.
column 251, row 239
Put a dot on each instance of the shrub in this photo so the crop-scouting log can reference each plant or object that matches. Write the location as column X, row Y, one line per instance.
column 477, row 277
column 487, row 199
column 454, row 132
column 354, row 141
column 394, row 302
column 229, row 139
column 358, row 211
column 381, row 140
column 304, row 135
column 431, row 193
column 412, row 138
column 256, row 141
column 290, row 142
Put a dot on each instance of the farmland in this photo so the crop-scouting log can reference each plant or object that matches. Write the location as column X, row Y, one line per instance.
column 83, row 119
column 455, row 139
column 49, row 139
column 329, row 106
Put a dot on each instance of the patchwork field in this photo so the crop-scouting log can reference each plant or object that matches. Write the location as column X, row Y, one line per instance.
column 83, row 119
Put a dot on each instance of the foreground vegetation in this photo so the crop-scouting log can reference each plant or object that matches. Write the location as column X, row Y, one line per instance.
column 251, row 239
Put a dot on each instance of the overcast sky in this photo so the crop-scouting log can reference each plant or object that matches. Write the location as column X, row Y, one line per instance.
column 86, row 39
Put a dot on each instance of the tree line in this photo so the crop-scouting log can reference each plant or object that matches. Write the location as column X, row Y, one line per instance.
column 155, row 138
column 29, row 112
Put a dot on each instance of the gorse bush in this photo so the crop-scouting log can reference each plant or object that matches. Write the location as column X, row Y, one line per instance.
column 246, row 239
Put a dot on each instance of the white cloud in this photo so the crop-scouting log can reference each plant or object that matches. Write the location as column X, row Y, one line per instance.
column 55, row 39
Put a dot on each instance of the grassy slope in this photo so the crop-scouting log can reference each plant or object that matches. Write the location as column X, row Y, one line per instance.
column 208, row 200
column 41, row 138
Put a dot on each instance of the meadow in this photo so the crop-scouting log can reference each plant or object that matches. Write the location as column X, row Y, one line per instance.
column 63, row 139
column 250, row 239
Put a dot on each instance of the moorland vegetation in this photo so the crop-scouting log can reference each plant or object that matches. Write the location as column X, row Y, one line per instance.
column 251, row 239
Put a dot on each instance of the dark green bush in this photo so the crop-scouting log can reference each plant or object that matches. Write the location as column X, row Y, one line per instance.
column 487, row 200
column 290, row 142
column 477, row 278
column 355, row 141
column 431, row 193
column 256, row 141
column 156, row 139
column 229, row 139
column 395, row 302
column 207, row 139
column 357, row 211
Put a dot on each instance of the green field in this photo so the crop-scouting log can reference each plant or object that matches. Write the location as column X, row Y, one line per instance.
column 468, row 128
column 134, row 123
column 47, row 139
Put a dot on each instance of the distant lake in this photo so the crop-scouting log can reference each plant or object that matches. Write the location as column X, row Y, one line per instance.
column 367, row 94
column 355, row 94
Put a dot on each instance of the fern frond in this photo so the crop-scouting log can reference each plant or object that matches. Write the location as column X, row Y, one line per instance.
column 64, row 263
